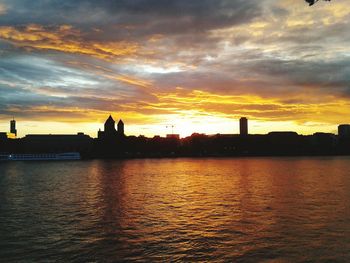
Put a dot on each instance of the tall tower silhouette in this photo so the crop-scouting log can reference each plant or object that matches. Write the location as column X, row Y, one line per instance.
column 121, row 127
column 13, row 127
column 243, row 126
column 110, row 126
column 110, row 132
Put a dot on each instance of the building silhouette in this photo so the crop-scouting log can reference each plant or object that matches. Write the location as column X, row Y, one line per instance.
column 344, row 131
column 173, row 136
column 110, row 131
column 57, row 143
column 120, row 128
column 110, row 127
column 13, row 132
column 112, row 143
column 13, row 127
column 243, row 126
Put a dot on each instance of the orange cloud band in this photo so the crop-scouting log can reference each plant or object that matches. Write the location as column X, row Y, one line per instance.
column 65, row 39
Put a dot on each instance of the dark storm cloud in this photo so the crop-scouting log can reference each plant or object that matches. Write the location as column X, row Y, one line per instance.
column 331, row 76
column 265, row 76
column 150, row 16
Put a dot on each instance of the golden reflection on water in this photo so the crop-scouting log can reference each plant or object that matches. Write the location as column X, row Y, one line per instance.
column 183, row 209
column 189, row 203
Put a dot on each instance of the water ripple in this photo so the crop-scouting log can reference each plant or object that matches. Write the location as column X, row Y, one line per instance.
column 221, row 210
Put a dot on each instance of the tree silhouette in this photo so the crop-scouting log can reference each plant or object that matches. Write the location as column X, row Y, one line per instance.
column 311, row 2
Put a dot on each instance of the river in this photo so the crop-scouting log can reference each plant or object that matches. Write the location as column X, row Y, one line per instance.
column 210, row 209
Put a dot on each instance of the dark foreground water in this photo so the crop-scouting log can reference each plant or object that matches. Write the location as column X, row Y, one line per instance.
column 258, row 209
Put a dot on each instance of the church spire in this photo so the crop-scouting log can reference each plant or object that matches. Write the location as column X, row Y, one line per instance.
column 110, row 125
column 121, row 127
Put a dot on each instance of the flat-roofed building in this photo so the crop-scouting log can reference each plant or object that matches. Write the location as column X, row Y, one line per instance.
column 79, row 142
column 344, row 130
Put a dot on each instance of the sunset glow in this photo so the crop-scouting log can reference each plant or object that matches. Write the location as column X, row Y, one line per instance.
column 197, row 66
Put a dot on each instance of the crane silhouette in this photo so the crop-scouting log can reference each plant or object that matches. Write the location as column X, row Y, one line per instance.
column 172, row 128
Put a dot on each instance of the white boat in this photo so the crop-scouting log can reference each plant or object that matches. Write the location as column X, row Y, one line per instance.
column 40, row 156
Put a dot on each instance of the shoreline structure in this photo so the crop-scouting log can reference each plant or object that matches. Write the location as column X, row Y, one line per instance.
column 113, row 143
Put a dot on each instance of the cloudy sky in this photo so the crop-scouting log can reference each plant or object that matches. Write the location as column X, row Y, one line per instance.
column 198, row 65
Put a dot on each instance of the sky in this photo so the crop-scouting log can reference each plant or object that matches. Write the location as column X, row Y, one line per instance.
column 195, row 65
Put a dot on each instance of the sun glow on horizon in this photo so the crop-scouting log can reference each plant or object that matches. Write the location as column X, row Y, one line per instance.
column 177, row 125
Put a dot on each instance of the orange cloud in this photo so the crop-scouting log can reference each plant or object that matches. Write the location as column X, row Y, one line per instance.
column 65, row 39
column 327, row 109
column 133, row 81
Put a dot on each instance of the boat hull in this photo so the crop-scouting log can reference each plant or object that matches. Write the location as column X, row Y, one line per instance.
column 41, row 157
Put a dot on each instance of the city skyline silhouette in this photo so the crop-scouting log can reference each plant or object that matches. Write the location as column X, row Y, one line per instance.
column 110, row 129
column 112, row 142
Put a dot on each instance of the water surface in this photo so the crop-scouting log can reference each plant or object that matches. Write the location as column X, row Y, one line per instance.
column 278, row 209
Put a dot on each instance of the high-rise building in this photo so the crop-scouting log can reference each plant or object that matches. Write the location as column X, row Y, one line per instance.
column 13, row 127
column 243, row 126
column 344, row 130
